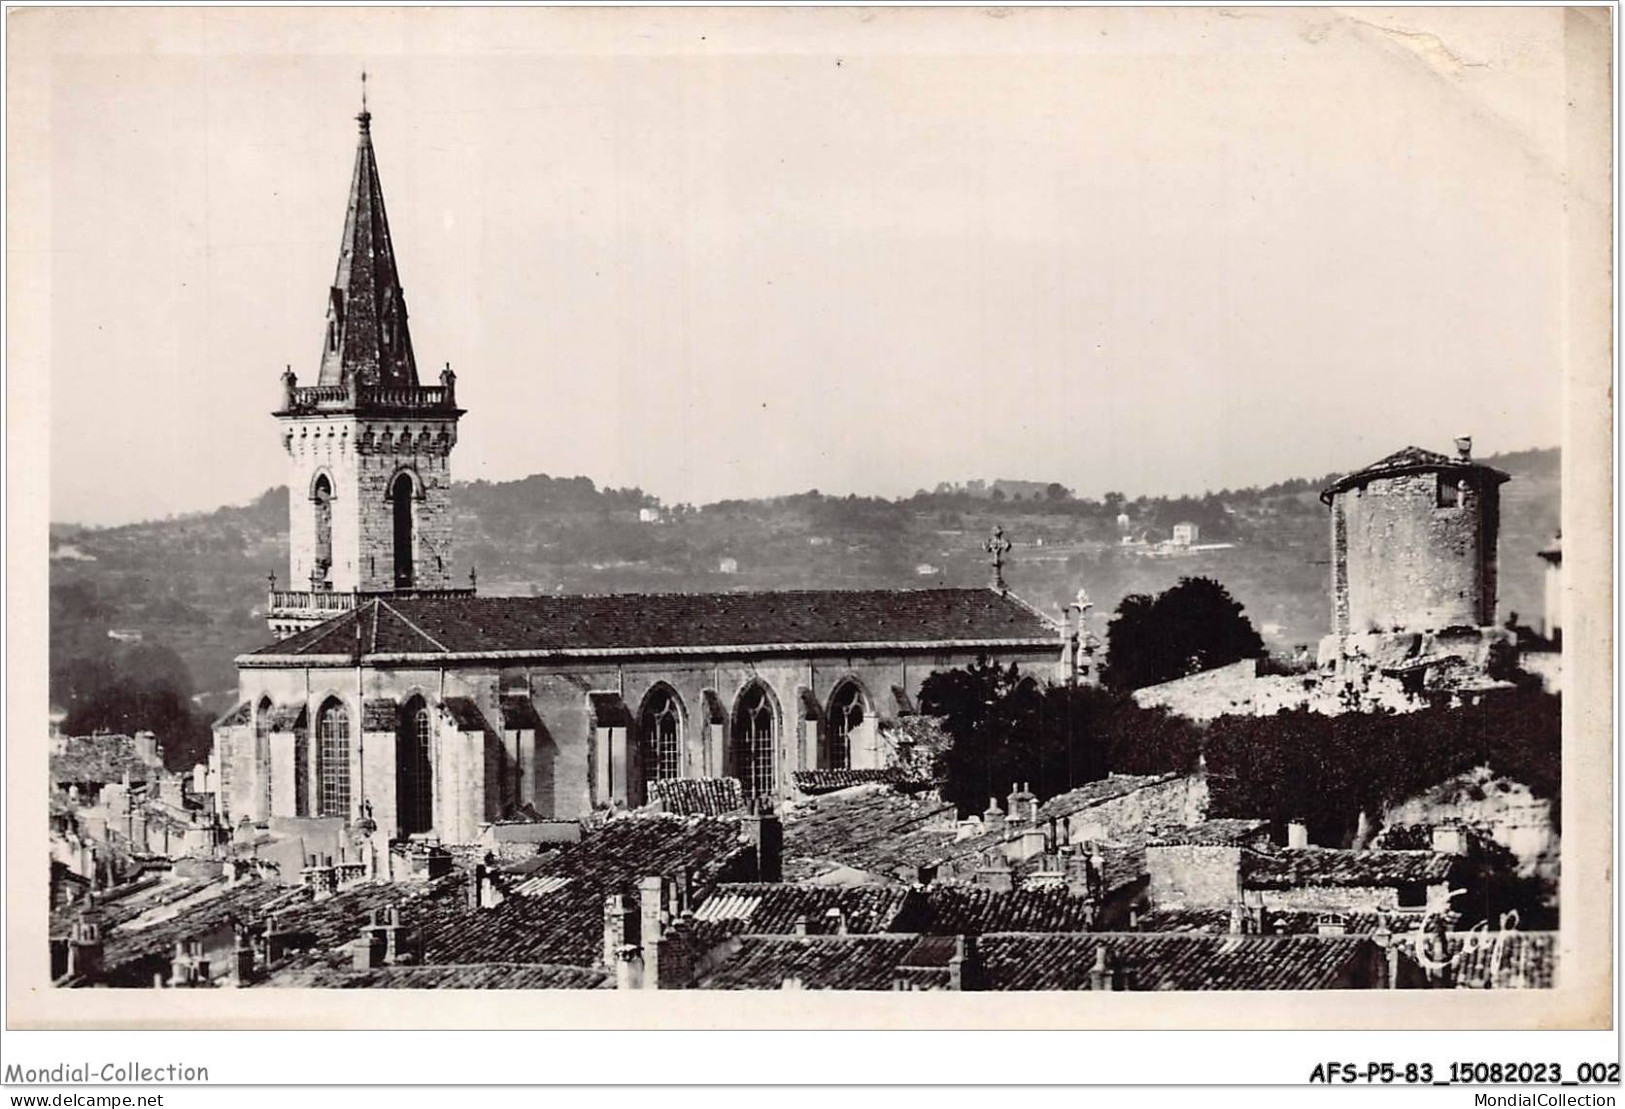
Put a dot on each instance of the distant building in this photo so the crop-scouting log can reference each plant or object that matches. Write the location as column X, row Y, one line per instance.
column 124, row 635
column 728, row 566
column 925, row 570
column 1186, row 534
column 648, row 515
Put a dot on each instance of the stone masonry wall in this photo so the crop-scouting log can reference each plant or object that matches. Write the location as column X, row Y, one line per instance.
column 1414, row 565
column 361, row 458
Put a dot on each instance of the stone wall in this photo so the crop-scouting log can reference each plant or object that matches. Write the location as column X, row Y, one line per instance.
column 571, row 762
column 361, row 458
column 1193, row 876
column 1174, row 801
column 1411, row 563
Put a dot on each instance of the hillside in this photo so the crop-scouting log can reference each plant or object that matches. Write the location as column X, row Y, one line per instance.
column 194, row 585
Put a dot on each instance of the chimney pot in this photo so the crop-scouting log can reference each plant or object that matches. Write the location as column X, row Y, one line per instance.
column 1464, row 447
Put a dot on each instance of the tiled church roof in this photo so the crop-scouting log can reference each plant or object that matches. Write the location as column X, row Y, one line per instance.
column 1410, row 460
column 669, row 623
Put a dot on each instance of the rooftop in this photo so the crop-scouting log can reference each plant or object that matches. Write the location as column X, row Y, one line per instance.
column 100, row 759
column 673, row 623
column 1061, row 961
column 1411, row 460
column 1285, row 868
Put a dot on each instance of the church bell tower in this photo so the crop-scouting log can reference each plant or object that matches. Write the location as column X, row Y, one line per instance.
column 369, row 447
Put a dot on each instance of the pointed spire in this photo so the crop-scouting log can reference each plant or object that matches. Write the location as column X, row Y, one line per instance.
column 367, row 340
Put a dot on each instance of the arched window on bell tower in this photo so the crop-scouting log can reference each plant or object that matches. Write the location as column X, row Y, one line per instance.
column 321, row 496
column 400, row 492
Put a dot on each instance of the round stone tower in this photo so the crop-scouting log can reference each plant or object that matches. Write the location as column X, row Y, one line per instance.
column 1413, row 544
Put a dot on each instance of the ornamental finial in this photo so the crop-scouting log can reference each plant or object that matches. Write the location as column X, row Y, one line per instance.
column 365, row 117
column 998, row 546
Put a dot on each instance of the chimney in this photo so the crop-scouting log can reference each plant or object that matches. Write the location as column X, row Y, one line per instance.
column 1103, row 975
column 1033, row 842
column 1238, row 919
column 85, row 943
column 1023, row 805
column 800, row 926
column 964, row 966
column 1450, row 839
column 994, row 872
column 993, row 818
column 1075, row 865
column 1464, row 447
column 242, row 958
column 1330, row 924
column 652, row 926
column 765, row 831
column 620, row 927
column 628, row 966
column 836, row 920
column 1297, row 834
column 969, row 828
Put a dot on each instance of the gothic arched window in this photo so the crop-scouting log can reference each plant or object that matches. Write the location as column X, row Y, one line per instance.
column 414, row 768
column 845, row 717
column 754, row 739
column 400, row 491
column 661, row 729
column 333, row 760
column 262, row 754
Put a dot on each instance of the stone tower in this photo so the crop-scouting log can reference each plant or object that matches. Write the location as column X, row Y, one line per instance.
column 1414, row 558
column 368, row 445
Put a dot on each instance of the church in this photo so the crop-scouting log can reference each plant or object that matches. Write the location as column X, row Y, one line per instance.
column 396, row 701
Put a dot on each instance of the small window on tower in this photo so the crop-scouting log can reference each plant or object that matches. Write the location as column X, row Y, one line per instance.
column 1449, row 492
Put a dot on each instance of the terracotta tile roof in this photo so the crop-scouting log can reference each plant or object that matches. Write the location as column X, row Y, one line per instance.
column 698, row 796
column 1501, row 960
column 638, row 623
column 1226, row 832
column 853, row 962
column 973, row 910
column 479, row 976
column 638, row 845
column 813, row 782
column 775, row 909
column 1277, row 922
column 1289, row 867
column 1062, row 961
column 1410, row 460
column 874, row 829
column 125, row 903
column 129, row 946
column 1096, row 793
column 565, row 926
column 100, row 759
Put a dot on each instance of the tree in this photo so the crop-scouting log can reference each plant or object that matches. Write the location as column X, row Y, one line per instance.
column 1192, row 627
column 1004, row 728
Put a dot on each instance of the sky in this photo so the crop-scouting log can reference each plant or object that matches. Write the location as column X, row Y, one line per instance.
column 744, row 253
